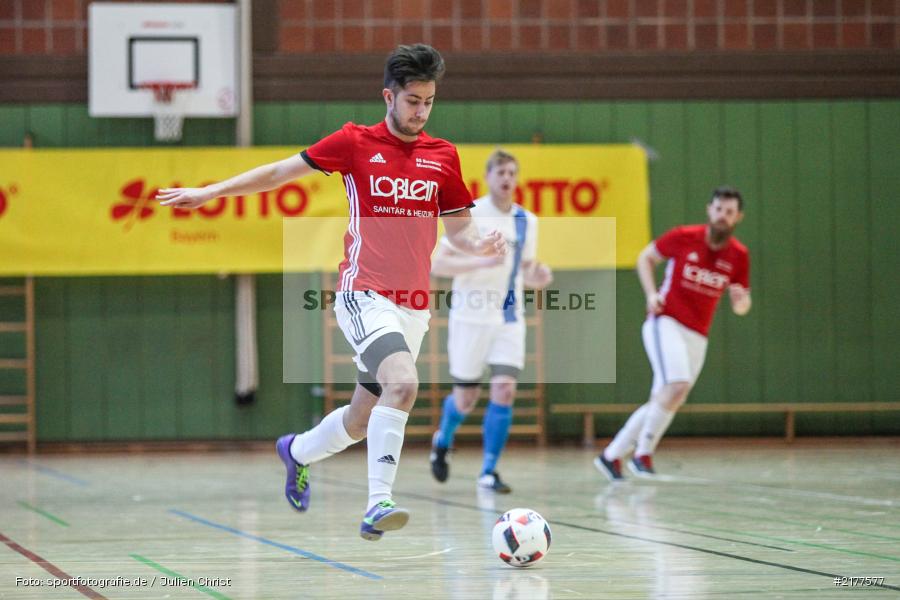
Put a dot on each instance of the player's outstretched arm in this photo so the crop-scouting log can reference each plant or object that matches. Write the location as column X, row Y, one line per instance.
column 740, row 299
column 260, row 179
column 447, row 262
column 646, row 270
column 463, row 235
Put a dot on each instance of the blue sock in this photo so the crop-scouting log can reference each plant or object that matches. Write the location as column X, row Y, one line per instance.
column 450, row 420
column 497, row 419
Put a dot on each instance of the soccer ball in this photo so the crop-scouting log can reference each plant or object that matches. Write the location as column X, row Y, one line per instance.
column 521, row 537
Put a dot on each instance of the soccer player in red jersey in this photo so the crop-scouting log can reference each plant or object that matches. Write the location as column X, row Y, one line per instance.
column 703, row 261
column 398, row 180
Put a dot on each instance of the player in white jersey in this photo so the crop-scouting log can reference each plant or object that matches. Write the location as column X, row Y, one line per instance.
column 487, row 319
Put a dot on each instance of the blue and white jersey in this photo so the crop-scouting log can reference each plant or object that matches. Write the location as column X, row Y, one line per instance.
column 493, row 295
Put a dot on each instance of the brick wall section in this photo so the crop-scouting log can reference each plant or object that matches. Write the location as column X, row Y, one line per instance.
column 46, row 27
column 588, row 25
column 58, row 27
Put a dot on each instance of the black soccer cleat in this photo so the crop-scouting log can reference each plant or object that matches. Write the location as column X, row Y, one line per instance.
column 492, row 481
column 642, row 466
column 440, row 463
column 611, row 468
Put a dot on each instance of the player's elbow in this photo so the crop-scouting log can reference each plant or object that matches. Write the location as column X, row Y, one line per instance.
column 458, row 241
column 644, row 265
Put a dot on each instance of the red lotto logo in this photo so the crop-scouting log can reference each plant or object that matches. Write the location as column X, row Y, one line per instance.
column 134, row 201
column 4, row 198
column 138, row 200
column 134, row 205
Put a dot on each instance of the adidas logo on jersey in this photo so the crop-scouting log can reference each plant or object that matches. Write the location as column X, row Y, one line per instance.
column 378, row 158
column 693, row 257
column 387, row 459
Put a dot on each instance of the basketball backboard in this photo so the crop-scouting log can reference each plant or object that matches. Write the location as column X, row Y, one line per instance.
column 133, row 47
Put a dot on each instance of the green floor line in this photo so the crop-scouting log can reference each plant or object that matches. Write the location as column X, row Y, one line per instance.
column 873, row 536
column 735, row 532
column 800, row 523
column 682, row 507
column 43, row 513
column 787, row 541
column 171, row 573
column 841, row 517
column 769, row 537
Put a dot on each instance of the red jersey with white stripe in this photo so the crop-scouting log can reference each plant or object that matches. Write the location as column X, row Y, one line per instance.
column 697, row 275
column 396, row 191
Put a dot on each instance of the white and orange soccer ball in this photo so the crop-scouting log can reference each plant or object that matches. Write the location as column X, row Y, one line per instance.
column 521, row 537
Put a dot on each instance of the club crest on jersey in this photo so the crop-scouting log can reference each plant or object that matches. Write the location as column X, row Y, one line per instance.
column 401, row 188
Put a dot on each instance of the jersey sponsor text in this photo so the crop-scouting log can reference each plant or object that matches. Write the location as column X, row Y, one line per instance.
column 705, row 277
column 401, row 188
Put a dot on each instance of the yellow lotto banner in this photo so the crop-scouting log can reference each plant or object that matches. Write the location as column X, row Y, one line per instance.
column 81, row 212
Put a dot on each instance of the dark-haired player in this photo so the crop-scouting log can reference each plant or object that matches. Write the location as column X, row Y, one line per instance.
column 398, row 180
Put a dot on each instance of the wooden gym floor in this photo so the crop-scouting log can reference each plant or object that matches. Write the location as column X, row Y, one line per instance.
column 730, row 519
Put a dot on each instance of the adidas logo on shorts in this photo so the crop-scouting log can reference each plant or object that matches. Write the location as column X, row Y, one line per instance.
column 388, row 459
column 378, row 158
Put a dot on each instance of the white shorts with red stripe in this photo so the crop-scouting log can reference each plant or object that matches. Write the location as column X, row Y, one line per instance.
column 676, row 352
column 365, row 317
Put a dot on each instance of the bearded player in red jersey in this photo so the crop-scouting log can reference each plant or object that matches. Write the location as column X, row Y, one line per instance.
column 703, row 260
column 398, row 180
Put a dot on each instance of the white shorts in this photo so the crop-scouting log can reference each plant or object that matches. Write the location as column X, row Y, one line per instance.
column 676, row 352
column 365, row 317
column 473, row 346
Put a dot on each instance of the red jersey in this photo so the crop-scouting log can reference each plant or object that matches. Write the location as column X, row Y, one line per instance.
column 386, row 179
column 696, row 275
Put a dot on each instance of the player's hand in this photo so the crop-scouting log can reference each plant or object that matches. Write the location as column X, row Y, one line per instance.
column 183, row 197
column 541, row 276
column 655, row 304
column 737, row 293
column 740, row 299
column 492, row 244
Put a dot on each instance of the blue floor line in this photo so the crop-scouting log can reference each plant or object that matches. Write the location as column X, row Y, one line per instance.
column 262, row 540
column 54, row 473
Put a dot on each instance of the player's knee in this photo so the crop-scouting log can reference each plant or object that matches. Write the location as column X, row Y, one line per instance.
column 680, row 389
column 466, row 398
column 675, row 395
column 503, row 393
column 401, row 395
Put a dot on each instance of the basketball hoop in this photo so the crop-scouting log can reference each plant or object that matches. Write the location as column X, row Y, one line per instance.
column 167, row 114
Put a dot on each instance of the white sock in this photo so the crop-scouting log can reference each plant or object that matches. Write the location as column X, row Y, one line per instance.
column 627, row 437
column 655, row 424
column 385, row 439
column 327, row 438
